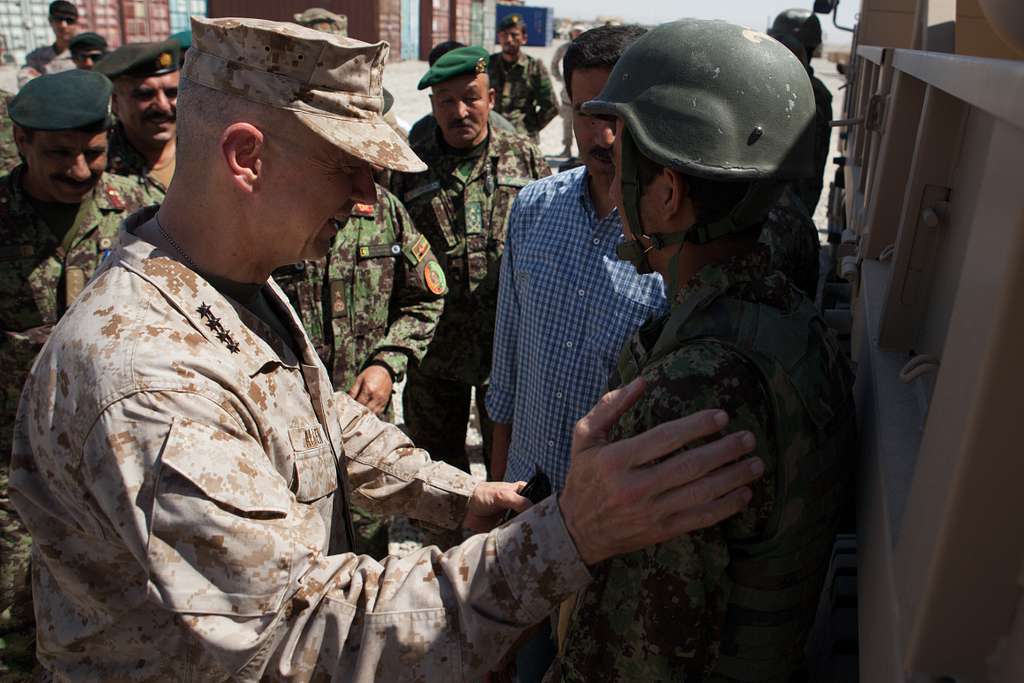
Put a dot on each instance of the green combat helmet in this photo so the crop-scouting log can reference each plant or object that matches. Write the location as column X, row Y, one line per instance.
column 800, row 23
column 726, row 103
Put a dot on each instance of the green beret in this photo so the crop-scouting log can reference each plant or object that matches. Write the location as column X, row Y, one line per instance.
column 183, row 39
column 462, row 60
column 62, row 101
column 83, row 42
column 512, row 21
column 141, row 60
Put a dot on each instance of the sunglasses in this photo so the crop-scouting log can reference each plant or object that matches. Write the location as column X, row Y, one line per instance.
column 92, row 56
column 64, row 20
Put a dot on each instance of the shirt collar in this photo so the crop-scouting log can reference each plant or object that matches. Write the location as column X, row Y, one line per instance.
column 217, row 318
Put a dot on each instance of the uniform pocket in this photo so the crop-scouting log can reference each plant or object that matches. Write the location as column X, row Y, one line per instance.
column 219, row 540
column 316, row 474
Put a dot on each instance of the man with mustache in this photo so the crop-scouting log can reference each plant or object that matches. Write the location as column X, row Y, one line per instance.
column 186, row 467
column 59, row 214
column 566, row 304
column 142, row 144
column 51, row 59
column 522, row 85
column 461, row 204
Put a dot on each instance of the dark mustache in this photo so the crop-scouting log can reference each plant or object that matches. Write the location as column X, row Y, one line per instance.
column 601, row 154
column 160, row 117
column 76, row 184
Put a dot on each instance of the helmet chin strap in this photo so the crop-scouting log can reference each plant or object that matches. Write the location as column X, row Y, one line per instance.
column 750, row 211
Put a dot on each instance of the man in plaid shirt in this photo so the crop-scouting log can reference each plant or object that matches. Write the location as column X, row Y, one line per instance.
column 566, row 303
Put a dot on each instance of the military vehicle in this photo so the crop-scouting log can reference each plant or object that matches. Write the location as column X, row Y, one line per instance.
column 926, row 232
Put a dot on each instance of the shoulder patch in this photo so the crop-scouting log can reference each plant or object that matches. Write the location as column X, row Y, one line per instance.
column 433, row 277
column 418, row 251
column 422, row 190
column 364, row 210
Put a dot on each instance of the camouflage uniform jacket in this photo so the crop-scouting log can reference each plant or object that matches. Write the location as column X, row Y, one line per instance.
column 186, row 478
column 676, row 611
column 9, row 156
column 793, row 239
column 810, row 188
column 524, row 93
column 125, row 160
column 44, row 60
column 465, row 223
column 375, row 297
column 40, row 275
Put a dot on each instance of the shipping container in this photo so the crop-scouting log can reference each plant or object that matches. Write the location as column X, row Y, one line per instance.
column 23, row 28
column 144, row 21
column 490, row 19
column 435, row 24
column 102, row 17
column 460, row 20
column 540, row 22
column 410, row 29
column 476, row 24
column 368, row 20
column 182, row 10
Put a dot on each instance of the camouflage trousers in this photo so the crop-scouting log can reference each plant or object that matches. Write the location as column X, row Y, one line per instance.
column 17, row 621
column 437, row 417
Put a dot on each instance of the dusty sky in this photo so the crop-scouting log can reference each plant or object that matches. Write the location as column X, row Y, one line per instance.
column 753, row 13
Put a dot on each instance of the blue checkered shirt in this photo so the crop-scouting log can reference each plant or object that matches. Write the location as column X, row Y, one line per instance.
column 566, row 305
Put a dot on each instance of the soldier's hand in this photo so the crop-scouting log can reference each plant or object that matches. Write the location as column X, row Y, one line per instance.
column 627, row 495
column 490, row 501
column 372, row 388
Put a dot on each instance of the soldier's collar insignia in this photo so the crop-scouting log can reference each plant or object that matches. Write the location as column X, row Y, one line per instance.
column 364, row 210
column 213, row 322
column 481, row 65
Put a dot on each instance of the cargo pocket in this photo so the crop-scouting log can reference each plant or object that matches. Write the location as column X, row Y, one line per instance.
column 220, row 540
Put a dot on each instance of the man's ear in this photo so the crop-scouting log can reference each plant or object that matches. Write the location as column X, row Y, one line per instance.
column 677, row 192
column 20, row 139
column 491, row 95
column 243, row 146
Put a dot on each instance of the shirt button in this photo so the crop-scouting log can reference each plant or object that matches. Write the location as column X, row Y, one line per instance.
column 581, row 292
column 551, row 443
column 568, row 344
column 558, row 394
column 597, row 241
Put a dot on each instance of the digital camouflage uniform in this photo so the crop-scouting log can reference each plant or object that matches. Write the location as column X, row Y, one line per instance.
column 461, row 204
column 9, row 157
column 736, row 601
column 793, row 239
column 375, row 298
column 523, row 92
column 39, row 277
column 124, row 160
column 810, row 188
column 186, row 477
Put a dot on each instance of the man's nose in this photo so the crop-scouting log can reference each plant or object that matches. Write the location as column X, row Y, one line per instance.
column 79, row 171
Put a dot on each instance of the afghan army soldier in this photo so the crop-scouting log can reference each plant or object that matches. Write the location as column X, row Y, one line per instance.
column 59, row 216
column 51, row 59
column 370, row 308
column 524, row 93
column 185, row 467
column 9, row 157
column 734, row 602
column 87, row 49
column 461, row 203
column 792, row 239
column 319, row 19
column 142, row 144
column 805, row 26
column 565, row 108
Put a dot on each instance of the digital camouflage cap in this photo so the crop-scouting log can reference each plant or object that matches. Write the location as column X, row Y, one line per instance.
column 333, row 85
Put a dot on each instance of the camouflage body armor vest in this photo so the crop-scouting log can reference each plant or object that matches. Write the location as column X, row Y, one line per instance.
column 776, row 579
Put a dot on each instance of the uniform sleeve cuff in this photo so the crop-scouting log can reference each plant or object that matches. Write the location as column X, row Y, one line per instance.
column 396, row 362
column 499, row 405
column 540, row 560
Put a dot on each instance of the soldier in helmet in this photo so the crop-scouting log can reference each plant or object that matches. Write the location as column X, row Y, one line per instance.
column 522, row 84
column 143, row 143
column 59, row 215
column 805, row 27
column 704, row 146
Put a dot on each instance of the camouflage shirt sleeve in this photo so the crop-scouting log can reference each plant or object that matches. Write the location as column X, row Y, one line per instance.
column 547, row 105
column 415, row 308
column 220, row 555
column 657, row 614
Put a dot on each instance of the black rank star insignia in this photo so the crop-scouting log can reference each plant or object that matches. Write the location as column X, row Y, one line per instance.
column 213, row 322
